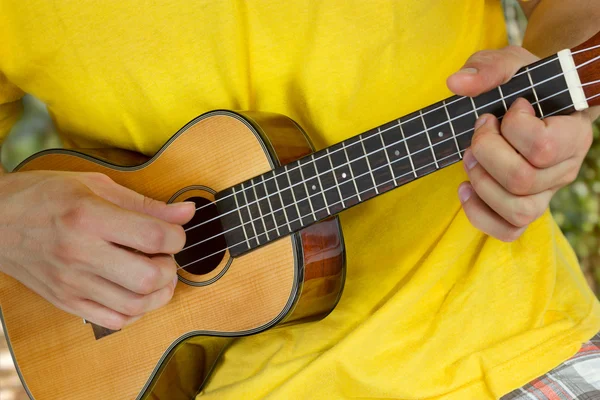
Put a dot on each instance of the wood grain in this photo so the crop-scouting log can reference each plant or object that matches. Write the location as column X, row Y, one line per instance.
column 58, row 355
column 590, row 72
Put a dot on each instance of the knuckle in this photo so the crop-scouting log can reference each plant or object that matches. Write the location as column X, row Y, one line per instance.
column 63, row 295
column 149, row 204
column 152, row 238
column 520, row 179
column 544, row 152
column 166, row 298
column 77, row 215
column 570, row 176
column 527, row 210
column 134, row 306
column 65, row 252
column 149, row 280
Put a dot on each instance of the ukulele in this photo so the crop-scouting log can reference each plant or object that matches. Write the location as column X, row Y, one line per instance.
column 265, row 247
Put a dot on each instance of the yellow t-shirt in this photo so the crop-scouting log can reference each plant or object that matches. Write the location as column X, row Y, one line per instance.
column 432, row 307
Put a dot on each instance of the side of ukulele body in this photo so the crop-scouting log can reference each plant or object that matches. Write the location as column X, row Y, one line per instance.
column 294, row 279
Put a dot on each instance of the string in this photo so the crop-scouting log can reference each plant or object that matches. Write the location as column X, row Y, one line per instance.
column 255, row 237
column 337, row 185
column 586, row 49
column 287, row 170
column 554, row 58
column 527, row 70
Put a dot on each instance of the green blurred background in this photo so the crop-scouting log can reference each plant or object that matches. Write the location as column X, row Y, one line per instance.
column 576, row 208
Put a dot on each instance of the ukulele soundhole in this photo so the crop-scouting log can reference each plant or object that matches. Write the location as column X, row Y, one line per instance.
column 205, row 244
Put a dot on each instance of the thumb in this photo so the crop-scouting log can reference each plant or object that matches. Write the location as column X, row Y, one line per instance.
column 489, row 69
column 105, row 187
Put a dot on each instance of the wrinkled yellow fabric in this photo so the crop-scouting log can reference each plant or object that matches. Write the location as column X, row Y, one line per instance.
column 432, row 308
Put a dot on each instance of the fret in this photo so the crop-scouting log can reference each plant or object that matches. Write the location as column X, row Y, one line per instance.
column 376, row 157
column 260, row 211
column 429, row 140
column 412, row 165
column 238, row 208
column 316, row 194
column 519, row 86
column 255, row 216
column 276, row 178
column 337, row 183
column 246, row 217
column 320, row 183
column 360, row 168
column 550, row 101
column 266, row 209
column 362, row 143
column 289, row 201
column 387, row 157
column 441, row 135
column 463, row 119
column 300, row 193
column 537, row 99
column 489, row 103
column 351, row 172
column 418, row 144
column 503, row 99
column 275, row 201
column 343, row 173
column 231, row 222
column 332, row 195
column 452, row 129
column 397, row 151
column 474, row 107
column 308, row 196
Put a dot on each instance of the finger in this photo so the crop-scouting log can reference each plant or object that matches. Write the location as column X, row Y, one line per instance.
column 484, row 218
column 135, row 272
column 128, row 228
column 545, row 143
column 105, row 187
column 519, row 211
column 94, row 313
column 504, row 164
column 488, row 69
column 121, row 300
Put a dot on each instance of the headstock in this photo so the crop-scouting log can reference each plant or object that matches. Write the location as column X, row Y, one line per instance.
column 587, row 60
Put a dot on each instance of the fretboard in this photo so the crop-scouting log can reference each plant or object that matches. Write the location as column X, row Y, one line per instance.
column 293, row 196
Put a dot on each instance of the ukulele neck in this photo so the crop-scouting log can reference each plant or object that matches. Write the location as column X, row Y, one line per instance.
column 293, row 196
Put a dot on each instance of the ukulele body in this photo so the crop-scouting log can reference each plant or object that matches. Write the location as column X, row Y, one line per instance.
column 291, row 280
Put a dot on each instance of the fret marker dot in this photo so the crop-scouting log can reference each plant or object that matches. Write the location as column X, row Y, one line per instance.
column 314, row 187
column 397, row 153
column 343, row 175
column 440, row 134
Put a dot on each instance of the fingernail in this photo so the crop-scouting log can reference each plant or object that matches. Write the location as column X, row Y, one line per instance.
column 174, row 205
column 480, row 122
column 470, row 71
column 175, row 280
column 464, row 192
column 469, row 160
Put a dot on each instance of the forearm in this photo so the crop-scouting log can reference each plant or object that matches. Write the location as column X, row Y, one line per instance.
column 557, row 24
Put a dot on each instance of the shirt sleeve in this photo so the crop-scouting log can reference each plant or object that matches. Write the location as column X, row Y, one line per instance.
column 10, row 106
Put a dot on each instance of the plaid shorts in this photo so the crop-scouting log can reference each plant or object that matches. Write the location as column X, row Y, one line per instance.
column 578, row 378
